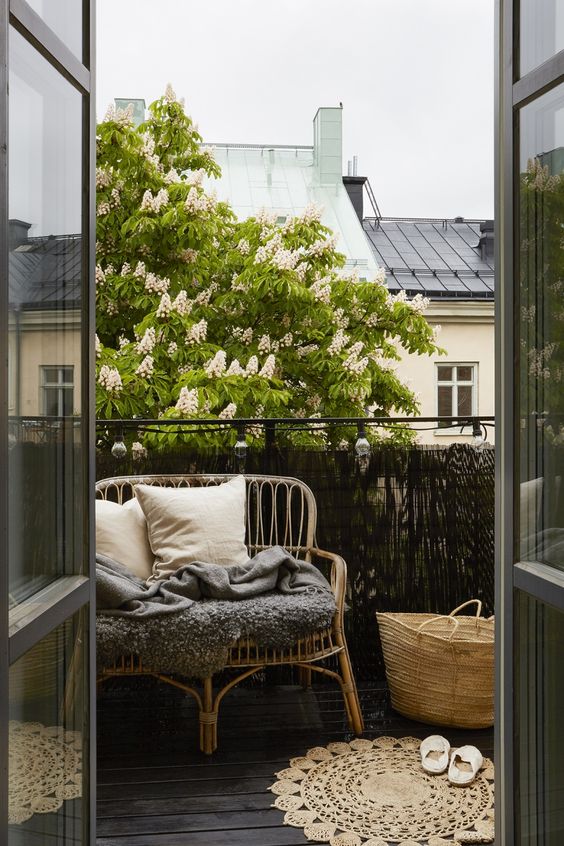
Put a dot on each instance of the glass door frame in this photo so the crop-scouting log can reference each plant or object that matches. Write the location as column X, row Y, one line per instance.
column 539, row 581
column 78, row 592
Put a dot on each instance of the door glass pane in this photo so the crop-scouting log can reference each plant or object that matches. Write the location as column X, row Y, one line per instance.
column 540, row 503
column 45, row 300
column 48, row 737
column 540, row 697
column 64, row 17
column 541, row 32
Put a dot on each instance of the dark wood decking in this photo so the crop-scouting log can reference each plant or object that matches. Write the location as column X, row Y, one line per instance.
column 156, row 789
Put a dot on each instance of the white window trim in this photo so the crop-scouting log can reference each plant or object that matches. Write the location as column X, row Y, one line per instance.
column 455, row 431
column 59, row 384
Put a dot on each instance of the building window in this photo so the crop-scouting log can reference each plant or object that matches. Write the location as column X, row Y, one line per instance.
column 57, row 387
column 456, row 390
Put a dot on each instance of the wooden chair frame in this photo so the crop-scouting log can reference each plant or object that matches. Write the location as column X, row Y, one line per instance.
column 280, row 511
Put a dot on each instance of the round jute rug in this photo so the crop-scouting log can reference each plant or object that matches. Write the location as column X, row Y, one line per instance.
column 45, row 768
column 372, row 793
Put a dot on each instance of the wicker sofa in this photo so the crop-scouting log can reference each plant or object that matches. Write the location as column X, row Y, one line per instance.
column 280, row 511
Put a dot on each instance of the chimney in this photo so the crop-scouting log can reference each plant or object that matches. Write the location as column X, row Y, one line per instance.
column 19, row 233
column 355, row 190
column 328, row 145
column 486, row 242
column 138, row 108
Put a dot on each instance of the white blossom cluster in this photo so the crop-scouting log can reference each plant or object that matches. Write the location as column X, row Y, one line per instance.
column 261, row 255
column 252, row 366
column 339, row 342
column 244, row 247
column 301, row 270
column 312, row 213
column 539, row 360
column 352, row 363
column 110, row 379
column 103, row 209
column 104, row 177
column 148, row 150
column 205, row 296
column 188, row 255
column 380, row 277
column 100, row 276
column 321, row 290
column 172, row 177
column 268, row 368
column 155, row 285
column 238, row 285
column 400, row 297
column 372, row 320
column 122, row 116
column 266, row 217
column 172, row 348
column 243, row 335
column 182, row 304
column 147, row 342
column 287, row 340
column 228, row 412
column 216, row 366
column 194, row 177
column 97, row 346
column 542, row 179
column 197, row 332
column 145, row 369
column 188, row 402
column 322, row 245
column 309, row 348
column 419, row 303
column 165, row 306
column 154, row 203
column 138, row 451
column 169, row 94
column 198, row 201
column 340, row 318
column 235, row 369
column 286, row 259
column 125, row 269
column 264, row 344
column 111, row 308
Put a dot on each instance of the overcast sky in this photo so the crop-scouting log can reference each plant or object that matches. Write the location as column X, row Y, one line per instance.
column 415, row 78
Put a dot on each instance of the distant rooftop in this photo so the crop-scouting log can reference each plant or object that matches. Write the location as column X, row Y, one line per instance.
column 450, row 259
column 46, row 272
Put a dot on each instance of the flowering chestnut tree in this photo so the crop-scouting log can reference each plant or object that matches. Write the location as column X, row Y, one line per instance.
column 200, row 315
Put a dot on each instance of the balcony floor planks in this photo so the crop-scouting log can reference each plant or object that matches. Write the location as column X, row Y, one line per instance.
column 156, row 789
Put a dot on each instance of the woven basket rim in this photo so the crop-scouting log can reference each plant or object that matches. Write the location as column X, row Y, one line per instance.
column 396, row 615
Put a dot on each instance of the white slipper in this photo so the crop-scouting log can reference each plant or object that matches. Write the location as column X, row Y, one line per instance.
column 434, row 754
column 465, row 763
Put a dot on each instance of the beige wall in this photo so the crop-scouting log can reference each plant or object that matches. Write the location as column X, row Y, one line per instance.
column 467, row 335
column 44, row 338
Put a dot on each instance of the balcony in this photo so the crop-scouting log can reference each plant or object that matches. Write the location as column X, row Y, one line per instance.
column 415, row 525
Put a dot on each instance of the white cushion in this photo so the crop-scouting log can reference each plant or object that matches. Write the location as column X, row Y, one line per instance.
column 121, row 534
column 195, row 524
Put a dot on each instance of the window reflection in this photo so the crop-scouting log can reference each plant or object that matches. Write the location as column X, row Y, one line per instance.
column 47, row 739
column 541, row 292
column 542, row 32
column 45, row 300
column 64, row 17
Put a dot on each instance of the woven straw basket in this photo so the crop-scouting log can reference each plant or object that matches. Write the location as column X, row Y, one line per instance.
column 440, row 669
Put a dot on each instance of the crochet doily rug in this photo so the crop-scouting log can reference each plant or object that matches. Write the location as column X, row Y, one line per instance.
column 45, row 768
column 372, row 793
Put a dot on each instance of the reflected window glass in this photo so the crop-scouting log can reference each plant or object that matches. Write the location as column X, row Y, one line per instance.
column 64, row 17
column 539, row 734
column 45, row 302
column 541, row 32
column 48, row 735
column 541, row 312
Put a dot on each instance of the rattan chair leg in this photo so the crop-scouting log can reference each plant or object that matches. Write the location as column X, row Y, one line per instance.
column 350, row 693
column 208, row 720
column 304, row 675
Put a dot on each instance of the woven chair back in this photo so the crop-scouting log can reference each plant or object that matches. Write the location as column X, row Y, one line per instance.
column 280, row 510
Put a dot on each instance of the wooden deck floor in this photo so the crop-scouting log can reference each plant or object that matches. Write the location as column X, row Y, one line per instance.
column 156, row 789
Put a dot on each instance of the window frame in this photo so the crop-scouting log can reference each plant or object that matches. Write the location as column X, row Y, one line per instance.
column 60, row 385
column 446, row 430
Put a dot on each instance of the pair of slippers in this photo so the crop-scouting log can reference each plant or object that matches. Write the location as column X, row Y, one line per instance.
column 463, row 763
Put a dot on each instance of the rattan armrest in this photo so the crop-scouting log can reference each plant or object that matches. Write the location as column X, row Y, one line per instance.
column 338, row 580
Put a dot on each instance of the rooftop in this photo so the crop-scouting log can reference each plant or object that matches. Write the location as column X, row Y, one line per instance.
column 46, row 272
column 450, row 259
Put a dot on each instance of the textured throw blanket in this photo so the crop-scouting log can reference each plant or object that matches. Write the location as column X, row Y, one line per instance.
column 185, row 624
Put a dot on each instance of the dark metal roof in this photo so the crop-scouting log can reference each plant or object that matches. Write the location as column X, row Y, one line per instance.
column 436, row 258
column 46, row 273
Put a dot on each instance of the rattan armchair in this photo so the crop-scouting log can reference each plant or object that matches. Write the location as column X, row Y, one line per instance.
column 280, row 511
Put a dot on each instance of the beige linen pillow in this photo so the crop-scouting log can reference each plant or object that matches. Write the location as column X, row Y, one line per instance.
column 195, row 524
column 121, row 534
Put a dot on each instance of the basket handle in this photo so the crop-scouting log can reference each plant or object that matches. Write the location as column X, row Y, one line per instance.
column 448, row 617
column 464, row 604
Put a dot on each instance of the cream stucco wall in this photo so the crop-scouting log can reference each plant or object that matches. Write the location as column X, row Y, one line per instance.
column 467, row 335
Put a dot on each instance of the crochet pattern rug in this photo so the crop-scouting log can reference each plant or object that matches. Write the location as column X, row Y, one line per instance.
column 372, row 793
column 45, row 768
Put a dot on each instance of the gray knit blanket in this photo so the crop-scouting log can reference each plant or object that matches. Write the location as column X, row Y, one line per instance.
column 186, row 623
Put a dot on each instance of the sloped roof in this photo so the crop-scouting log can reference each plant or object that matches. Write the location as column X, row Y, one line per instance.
column 284, row 179
column 46, row 273
column 436, row 258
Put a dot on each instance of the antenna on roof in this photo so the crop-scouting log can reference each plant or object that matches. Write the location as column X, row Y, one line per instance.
column 355, row 166
column 349, row 168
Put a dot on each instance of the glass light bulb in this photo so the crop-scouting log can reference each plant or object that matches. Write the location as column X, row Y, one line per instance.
column 362, row 446
column 119, row 449
column 240, row 448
